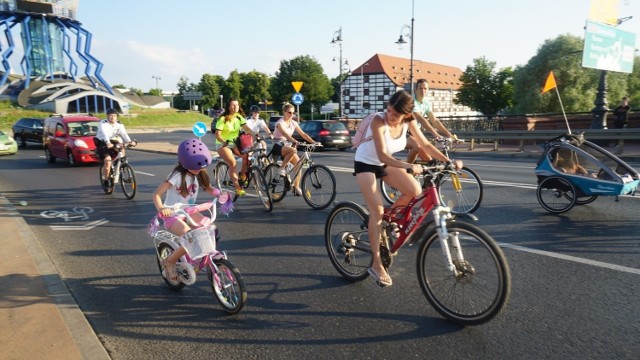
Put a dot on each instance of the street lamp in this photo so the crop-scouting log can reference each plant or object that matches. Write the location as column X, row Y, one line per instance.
column 362, row 89
column 337, row 39
column 401, row 42
column 157, row 78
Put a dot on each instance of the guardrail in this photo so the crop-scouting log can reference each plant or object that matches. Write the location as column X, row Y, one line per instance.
column 496, row 136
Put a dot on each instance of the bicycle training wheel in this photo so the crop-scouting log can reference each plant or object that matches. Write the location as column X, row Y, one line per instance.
column 261, row 187
column 461, row 191
column 128, row 181
column 227, row 285
column 556, row 194
column 346, row 238
column 277, row 183
column 318, row 187
column 479, row 286
column 164, row 250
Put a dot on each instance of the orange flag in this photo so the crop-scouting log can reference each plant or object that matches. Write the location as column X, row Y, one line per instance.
column 550, row 83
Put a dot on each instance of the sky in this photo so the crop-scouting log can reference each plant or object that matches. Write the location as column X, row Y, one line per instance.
column 139, row 41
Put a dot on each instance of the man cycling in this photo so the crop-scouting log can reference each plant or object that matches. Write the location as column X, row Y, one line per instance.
column 110, row 130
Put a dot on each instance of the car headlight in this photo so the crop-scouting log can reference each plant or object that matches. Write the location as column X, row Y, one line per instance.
column 80, row 144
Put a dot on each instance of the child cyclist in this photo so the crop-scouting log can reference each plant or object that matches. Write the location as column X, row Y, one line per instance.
column 181, row 186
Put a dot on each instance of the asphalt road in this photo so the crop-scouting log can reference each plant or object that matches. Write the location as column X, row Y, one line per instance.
column 576, row 276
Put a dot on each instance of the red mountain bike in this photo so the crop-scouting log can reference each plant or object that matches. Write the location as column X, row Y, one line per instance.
column 462, row 271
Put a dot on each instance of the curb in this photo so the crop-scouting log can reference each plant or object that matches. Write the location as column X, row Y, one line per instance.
column 85, row 339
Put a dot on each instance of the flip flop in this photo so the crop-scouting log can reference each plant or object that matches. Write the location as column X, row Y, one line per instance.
column 380, row 282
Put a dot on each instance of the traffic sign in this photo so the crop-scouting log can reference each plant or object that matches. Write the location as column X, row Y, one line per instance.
column 200, row 129
column 297, row 98
column 608, row 48
column 192, row 95
column 297, row 85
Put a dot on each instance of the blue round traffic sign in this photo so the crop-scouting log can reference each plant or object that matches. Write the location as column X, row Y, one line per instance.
column 200, row 129
column 297, row 99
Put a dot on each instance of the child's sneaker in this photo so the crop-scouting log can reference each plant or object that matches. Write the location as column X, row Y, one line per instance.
column 240, row 192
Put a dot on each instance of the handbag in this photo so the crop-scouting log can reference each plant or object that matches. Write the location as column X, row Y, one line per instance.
column 244, row 142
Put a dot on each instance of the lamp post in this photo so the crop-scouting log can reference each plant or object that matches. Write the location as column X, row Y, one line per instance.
column 221, row 102
column 362, row 88
column 337, row 39
column 157, row 78
column 401, row 42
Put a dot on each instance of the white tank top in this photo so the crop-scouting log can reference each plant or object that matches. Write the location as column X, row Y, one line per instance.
column 366, row 152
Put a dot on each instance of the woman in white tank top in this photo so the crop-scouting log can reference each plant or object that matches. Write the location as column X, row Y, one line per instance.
column 374, row 159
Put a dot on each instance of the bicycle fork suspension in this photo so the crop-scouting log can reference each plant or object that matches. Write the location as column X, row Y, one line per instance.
column 450, row 243
column 455, row 180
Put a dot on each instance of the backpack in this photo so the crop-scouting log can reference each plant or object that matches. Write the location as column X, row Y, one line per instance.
column 361, row 131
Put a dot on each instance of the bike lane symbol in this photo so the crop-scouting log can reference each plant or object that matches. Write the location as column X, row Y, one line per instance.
column 76, row 213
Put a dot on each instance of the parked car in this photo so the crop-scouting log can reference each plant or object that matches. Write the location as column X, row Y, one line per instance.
column 70, row 137
column 8, row 145
column 28, row 130
column 330, row 133
column 272, row 122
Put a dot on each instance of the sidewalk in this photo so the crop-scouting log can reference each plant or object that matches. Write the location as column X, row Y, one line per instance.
column 41, row 320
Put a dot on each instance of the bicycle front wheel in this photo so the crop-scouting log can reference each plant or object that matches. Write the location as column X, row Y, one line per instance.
column 318, row 186
column 262, row 190
column 346, row 238
column 479, row 285
column 277, row 183
column 461, row 191
column 128, row 181
column 227, row 285
column 222, row 178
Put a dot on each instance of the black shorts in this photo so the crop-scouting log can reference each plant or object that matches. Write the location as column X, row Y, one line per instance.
column 360, row 167
column 103, row 151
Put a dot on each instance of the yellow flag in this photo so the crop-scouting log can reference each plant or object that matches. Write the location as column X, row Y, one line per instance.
column 550, row 83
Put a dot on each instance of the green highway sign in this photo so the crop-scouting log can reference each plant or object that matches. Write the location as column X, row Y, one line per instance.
column 608, row 48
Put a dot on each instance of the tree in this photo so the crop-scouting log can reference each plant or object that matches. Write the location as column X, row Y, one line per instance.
column 183, row 86
column 577, row 85
column 484, row 89
column 210, row 89
column 233, row 87
column 255, row 88
column 316, row 89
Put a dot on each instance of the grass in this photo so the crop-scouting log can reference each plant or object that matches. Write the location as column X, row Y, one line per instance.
column 137, row 118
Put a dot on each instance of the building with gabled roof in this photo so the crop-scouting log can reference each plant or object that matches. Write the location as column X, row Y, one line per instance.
column 369, row 86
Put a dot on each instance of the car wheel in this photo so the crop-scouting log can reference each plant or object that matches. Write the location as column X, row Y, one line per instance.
column 22, row 142
column 48, row 156
column 342, row 148
column 71, row 159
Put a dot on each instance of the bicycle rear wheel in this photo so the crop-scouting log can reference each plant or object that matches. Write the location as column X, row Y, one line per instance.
column 108, row 189
column 128, row 181
column 461, row 191
column 318, row 187
column 227, row 285
column 164, row 250
column 261, row 187
column 277, row 183
column 480, row 285
column 346, row 238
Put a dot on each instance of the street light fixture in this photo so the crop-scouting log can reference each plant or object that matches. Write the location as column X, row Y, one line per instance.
column 157, row 78
column 337, row 39
column 401, row 41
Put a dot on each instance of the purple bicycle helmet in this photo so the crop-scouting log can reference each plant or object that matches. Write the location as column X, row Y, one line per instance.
column 193, row 154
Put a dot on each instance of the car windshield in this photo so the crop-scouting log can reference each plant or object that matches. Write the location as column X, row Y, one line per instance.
column 334, row 126
column 84, row 128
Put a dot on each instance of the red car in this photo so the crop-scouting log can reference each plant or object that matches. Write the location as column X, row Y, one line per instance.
column 70, row 137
